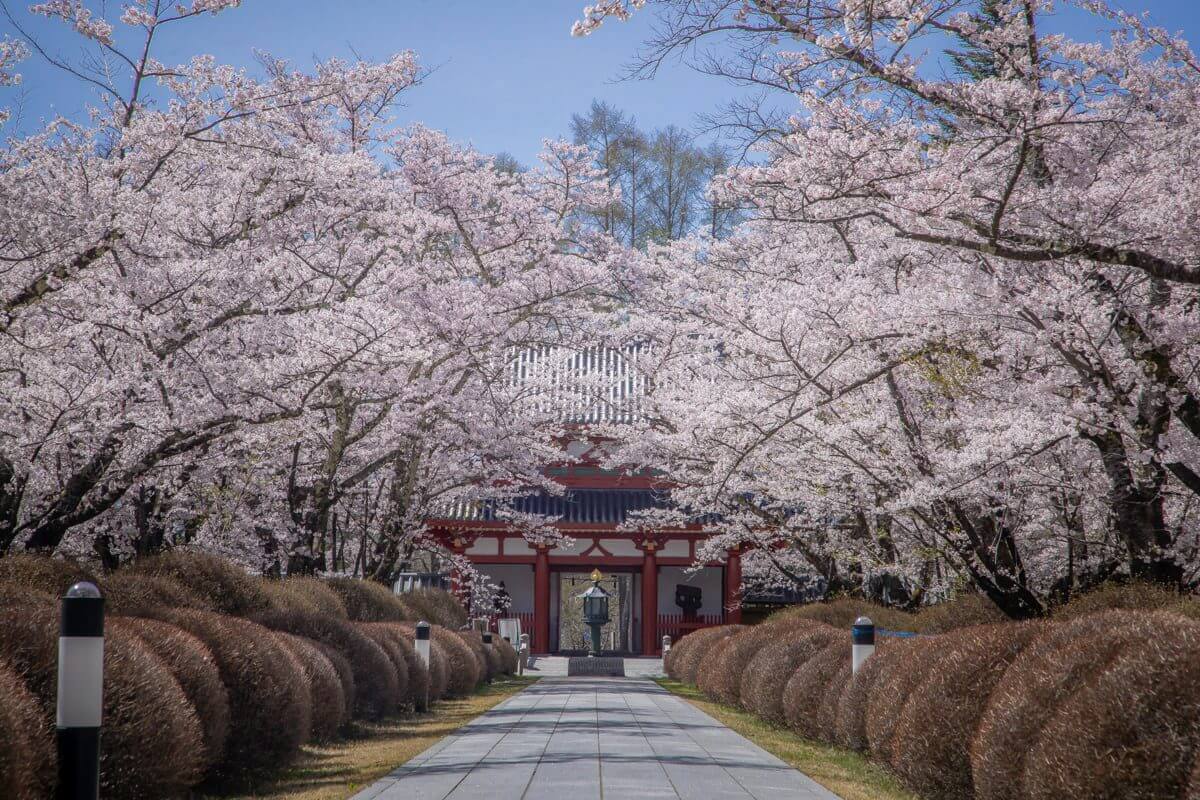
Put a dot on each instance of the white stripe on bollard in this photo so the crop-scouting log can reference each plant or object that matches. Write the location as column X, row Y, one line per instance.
column 80, row 681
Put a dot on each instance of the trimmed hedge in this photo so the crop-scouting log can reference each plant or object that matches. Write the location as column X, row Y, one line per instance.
column 375, row 682
column 930, row 747
column 438, row 665
column 343, row 670
column 890, row 654
column 267, row 697
column 489, row 664
column 303, row 593
column 220, row 582
column 1129, row 733
column 326, row 693
column 368, row 601
column 964, row 611
column 52, row 576
column 196, row 670
column 437, row 607
column 687, row 653
column 132, row 594
column 418, row 678
column 767, row 674
column 1046, row 673
column 27, row 759
column 142, row 702
column 842, row 612
column 805, row 691
column 508, row 655
column 395, row 655
column 462, row 674
column 889, row 693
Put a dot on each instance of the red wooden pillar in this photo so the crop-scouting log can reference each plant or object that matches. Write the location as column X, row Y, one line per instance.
column 733, row 583
column 650, row 643
column 541, row 601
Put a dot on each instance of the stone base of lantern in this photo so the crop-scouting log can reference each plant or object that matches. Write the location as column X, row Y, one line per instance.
column 600, row 667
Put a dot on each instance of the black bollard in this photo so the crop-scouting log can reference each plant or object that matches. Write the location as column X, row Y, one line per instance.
column 80, row 692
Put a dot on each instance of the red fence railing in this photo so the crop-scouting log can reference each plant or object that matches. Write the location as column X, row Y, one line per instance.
column 676, row 626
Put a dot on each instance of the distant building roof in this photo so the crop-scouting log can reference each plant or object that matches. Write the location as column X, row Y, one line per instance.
column 605, row 506
column 592, row 385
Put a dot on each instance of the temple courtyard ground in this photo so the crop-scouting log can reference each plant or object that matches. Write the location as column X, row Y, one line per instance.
column 590, row 738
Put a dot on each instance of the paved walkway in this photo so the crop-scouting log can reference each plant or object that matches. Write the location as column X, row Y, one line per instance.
column 635, row 667
column 592, row 738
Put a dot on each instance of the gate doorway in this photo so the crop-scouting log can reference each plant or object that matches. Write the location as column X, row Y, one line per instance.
column 573, row 635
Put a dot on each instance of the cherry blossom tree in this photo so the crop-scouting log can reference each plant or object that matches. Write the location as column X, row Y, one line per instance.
column 961, row 329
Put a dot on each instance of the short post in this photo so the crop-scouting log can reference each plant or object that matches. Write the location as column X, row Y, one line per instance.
column 666, row 645
column 487, row 643
column 80, row 692
column 422, row 647
column 863, row 637
column 523, row 654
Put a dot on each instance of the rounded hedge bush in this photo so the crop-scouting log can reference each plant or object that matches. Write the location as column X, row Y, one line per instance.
column 691, row 649
column 132, row 594
column 328, row 698
column 462, row 669
column 719, row 673
column 886, row 699
column 768, row 672
column 304, row 593
column 418, row 677
column 831, row 701
column 267, row 696
column 843, row 611
column 27, row 761
column 1129, row 733
column 1069, row 655
column 851, row 724
column 142, row 703
column 395, row 655
column 368, row 601
column 508, row 655
column 219, row 581
column 964, row 611
column 805, row 691
column 487, row 662
column 343, row 670
column 1131, row 596
column 931, row 744
column 436, row 606
column 376, row 686
column 40, row 573
column 194, row 668
column 438, row 669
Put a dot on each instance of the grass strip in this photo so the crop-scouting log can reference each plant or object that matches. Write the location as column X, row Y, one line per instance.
column 844, row 772
column 336, row 771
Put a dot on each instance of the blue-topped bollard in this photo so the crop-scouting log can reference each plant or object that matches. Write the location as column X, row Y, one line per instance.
column 863, row 637
column 80, row 692
column 421, row 644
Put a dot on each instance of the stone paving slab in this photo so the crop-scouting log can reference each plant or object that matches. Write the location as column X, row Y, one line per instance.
column 635, row 667
column 595, row 739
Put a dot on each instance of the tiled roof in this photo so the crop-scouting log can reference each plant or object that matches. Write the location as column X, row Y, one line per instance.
column 608, row 506
column 593, row 385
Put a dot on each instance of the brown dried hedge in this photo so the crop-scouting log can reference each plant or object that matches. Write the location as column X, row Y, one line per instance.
column 486, row 661
column 142, row 703
column 508, row 655
column 196, row 670
column 328, row 698
column 437, row 607
column 343, row 670
column 842, row 612
column 806, row 688
column 219, row 581
column 890, row 654
column 831, row 701
column 720, row 673
column 1193, row 792
column 418, row 676
column 964, row 611
column 699, row 644
column 27, row 756
column 768, row 672
column 391, row 644
column 886, row 699
column 46, row 574
column 269, row 705
column 1132, row 596
column 132, row 594
column 376, row 686
column 462, row 669
column 931, row 744
column 368, row 601
column 1069, row 655
column 1131, row 731
column 438, row 668
column 304, row 593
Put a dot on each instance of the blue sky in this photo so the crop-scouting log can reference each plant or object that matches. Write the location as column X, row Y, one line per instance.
column 505, row 74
